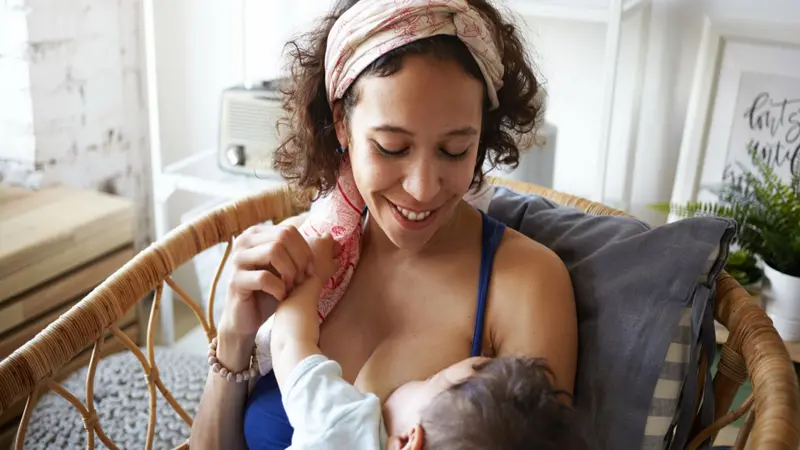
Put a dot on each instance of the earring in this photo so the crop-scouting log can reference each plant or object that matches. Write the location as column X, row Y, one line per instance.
column 341, row 150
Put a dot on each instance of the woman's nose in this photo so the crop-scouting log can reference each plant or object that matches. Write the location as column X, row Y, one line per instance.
column 423, row 180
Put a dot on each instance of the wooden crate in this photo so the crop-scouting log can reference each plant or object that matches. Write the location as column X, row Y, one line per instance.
column 56, row 245
column 76, row 284
column 47, row 233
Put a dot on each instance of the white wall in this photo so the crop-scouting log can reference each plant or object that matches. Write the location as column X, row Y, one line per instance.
column 199, row 54
column 73, row 104
column 570, row 55
column 17, row 146
column 16, row 115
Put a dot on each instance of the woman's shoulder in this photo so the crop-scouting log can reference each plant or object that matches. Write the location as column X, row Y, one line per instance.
column 520, row 258
column 531, row 291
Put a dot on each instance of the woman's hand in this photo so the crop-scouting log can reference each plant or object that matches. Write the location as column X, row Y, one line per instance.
column 268, row 262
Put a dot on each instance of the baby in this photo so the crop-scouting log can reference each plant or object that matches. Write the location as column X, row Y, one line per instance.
column 477, row 403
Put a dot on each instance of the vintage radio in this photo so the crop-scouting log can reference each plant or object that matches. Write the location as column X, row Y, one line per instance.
column 248, row 136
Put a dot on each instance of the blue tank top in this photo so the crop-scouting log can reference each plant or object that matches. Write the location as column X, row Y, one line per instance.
column 266, row 426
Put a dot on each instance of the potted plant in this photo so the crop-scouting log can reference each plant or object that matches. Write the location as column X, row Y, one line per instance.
column 743, row 266
column 767, row 211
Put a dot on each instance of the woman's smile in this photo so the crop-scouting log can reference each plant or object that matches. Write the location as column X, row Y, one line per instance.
column 412, row 219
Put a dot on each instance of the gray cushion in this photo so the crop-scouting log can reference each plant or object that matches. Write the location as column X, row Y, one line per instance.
column 632, row 286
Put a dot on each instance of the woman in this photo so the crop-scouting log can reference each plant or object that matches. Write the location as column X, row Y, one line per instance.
column 415, row 95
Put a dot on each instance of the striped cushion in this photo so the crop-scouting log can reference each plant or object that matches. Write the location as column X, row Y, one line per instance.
column 666, row 396
column 668, row 388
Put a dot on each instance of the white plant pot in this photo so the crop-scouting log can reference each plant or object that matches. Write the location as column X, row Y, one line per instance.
column 781, row 297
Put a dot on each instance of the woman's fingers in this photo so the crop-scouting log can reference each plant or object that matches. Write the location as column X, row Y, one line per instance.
column 259, row 280
column 249, row 237
column 298, row 249
column 274, row 254
column 289, row 237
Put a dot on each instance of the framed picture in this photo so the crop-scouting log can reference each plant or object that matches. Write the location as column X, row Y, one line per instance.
column 745, row 92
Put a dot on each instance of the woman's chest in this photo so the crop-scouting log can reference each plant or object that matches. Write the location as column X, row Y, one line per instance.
column 401, row 324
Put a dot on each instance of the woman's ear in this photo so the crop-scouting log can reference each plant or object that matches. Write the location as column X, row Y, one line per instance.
column 340, row 125
column 414, row 439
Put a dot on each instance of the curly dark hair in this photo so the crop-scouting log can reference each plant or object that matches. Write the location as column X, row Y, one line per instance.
column 306, row 156
column 508, row 404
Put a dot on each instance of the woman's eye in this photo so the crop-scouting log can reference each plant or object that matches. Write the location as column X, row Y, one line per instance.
column 389, row 151
column 455, row 155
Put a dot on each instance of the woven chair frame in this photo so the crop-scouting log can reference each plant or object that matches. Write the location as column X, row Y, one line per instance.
column 752, row 350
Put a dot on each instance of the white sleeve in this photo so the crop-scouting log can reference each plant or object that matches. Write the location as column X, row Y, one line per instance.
column 328, row 412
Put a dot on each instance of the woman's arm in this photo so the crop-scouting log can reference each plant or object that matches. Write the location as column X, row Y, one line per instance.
column 219, row 420
column 531, row 308
column 268, row 262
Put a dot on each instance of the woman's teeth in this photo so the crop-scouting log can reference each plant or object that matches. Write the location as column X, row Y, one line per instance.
column 411, row 215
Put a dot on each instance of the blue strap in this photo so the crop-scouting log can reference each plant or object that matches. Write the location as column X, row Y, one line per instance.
column 491, row 234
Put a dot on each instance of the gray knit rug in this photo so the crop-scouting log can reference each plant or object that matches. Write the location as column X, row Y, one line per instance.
column 122, row 402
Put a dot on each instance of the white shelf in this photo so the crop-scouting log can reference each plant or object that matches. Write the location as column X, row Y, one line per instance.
column 201, row 174
column 578, row 10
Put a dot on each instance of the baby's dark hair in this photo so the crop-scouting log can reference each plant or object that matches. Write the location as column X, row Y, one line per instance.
column 307, row 155
column 508, row 404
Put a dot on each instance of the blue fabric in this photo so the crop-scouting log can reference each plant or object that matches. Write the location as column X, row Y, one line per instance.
column 266, row 426
column 491, row 235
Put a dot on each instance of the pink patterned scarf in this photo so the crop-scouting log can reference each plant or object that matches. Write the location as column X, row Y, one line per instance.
column 366, row 31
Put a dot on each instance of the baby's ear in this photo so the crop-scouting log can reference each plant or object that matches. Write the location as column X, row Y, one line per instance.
column 414, row 439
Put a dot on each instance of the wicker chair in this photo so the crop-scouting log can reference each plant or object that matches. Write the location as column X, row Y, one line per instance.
column 753, row 349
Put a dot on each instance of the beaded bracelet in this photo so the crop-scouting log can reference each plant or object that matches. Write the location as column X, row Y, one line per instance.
column 244, row 375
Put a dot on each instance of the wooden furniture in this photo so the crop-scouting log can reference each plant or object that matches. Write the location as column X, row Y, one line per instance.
column 754, row 348
column 56, row 245
column 793, row 347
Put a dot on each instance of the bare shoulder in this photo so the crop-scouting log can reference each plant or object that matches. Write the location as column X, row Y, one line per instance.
column 520, row 259
column 531, row 309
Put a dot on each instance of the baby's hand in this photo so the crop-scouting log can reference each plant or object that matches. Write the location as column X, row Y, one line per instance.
column 295, row 331
column 324, row 250
column 303, row 300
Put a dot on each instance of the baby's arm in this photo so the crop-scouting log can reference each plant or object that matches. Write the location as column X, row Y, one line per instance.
column 295, row 332
column 325, row 410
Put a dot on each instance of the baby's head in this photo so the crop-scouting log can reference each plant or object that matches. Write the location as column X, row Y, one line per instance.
column 481, row 403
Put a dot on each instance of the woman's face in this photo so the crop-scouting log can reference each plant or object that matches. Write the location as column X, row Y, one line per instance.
column 413, row 143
